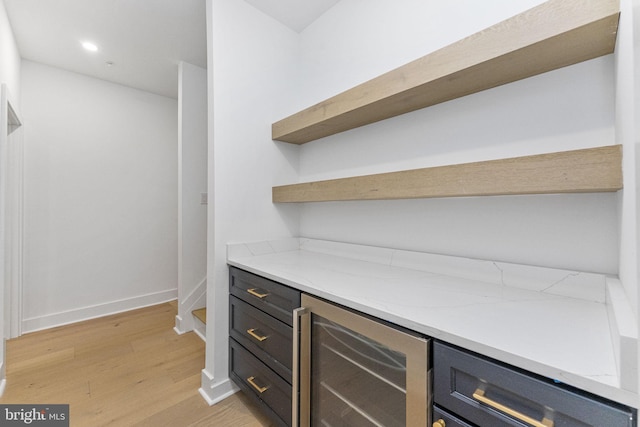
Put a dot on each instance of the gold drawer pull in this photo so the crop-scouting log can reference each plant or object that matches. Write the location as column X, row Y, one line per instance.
column 251, row 380
column 479, row 396
column 440, row 423
column 252, row 332
column 255, row 293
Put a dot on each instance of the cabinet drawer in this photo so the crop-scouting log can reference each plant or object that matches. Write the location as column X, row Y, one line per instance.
column 489, row 393
column 266, row 337
column 271, row 297
column 261, row 384
column 441, row 416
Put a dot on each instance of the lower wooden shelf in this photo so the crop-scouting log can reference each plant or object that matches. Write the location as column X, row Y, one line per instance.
column 577, row 171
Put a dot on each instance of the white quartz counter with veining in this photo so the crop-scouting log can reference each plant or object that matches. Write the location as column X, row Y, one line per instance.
column 551, row 322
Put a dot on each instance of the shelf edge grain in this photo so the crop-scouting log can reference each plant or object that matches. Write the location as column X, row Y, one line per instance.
column 578, row 171
column 555, row 34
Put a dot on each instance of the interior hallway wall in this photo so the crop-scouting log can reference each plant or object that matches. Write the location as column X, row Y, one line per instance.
column 9, row 58
column 10, row 82
column 192, row 183
column 100, row 197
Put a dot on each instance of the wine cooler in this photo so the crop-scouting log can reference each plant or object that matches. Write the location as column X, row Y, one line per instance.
column 352, row 370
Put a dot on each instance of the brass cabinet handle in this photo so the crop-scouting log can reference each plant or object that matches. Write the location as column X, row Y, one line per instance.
column 479, row 396
column 252, row 332
column 439, row 423
column 251, row 380
column 255, row 293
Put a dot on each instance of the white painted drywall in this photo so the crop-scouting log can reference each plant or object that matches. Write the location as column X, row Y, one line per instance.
column 636, row 57
column 4, row 319
column 251, row 67
column 357, row 40
column 629, row 101
column 14, row 229
column 9, row 58
column 10, row 82
column 562, row 110
column 100, row 197
column 626, row 128
column 192, row 182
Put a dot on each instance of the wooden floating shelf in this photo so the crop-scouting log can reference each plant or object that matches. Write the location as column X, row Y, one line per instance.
column 579, row 171
column 552, row 35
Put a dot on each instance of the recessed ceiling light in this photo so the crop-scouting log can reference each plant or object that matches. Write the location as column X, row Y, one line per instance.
column 90, row 46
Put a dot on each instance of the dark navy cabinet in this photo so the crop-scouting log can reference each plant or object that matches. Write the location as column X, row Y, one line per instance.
column 443, row 418
column 260, row 341
column 472, row 390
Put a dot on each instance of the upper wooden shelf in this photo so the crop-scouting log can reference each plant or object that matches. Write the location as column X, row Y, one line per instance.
column 552, row 35
column 578, row 171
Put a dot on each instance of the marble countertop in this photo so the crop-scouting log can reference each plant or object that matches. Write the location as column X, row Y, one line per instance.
column 551, row 322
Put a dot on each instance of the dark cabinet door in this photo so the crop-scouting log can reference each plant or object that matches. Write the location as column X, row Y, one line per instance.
column 442, row 418
column 489, row 393
column 266, row 337
column 273, row 298
column 261, row 384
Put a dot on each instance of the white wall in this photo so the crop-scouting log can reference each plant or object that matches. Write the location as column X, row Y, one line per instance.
column 251, row 67
column 192, row 181
column 10, row 82
column 4, row 308
column 357, row 40
column 100, row 197
column 629, row 102
column 9, row 58
column 562, row 110
column 14, row 229
column 626, row 128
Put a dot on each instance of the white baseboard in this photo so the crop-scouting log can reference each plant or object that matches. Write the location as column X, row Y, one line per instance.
column 214, row 392
column 201, row 334
column 91, row 312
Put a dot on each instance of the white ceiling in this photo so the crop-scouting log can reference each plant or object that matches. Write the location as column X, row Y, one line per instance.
column 143, row 39
column 295, row 14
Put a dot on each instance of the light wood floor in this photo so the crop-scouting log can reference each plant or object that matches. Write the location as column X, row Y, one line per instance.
column 129, row 369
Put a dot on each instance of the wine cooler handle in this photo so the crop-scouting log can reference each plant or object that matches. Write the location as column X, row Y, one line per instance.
column 295, row 369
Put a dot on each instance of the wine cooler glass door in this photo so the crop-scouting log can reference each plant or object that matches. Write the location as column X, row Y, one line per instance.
column 356, row 381
column 361, row 372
